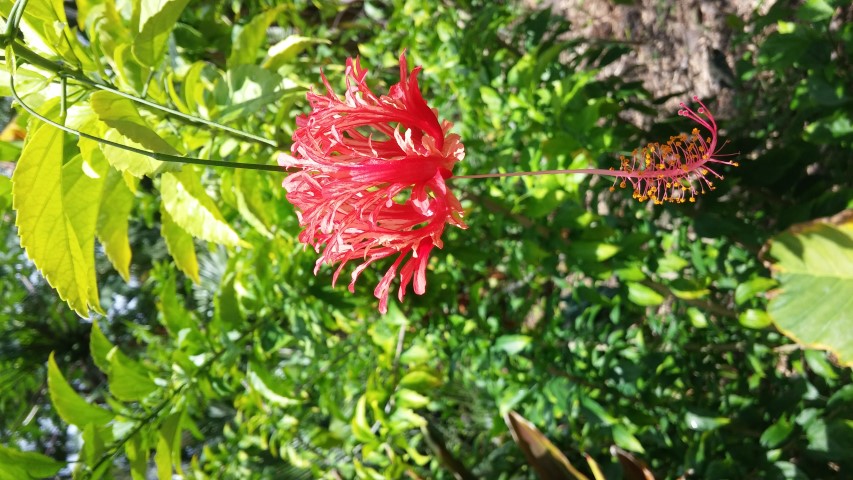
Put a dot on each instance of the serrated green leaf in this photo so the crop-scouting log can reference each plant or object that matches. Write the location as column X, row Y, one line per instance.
column 128, row 380
column 189, row 205
column 250, row 204
column 45, row 229
column 136, row 164
column 814, row 267
column 116, row 205
column 156, row 20
column 643, row 295
column 121, row 114
column 68, row 404
column 18, row 465
column 82, row 188
column 180, row 245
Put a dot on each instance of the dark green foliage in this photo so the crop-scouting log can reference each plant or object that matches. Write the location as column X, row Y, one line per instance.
column 601, row 320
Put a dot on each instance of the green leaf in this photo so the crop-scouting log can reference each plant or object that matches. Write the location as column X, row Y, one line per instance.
column 99, row 348
column 121, row 114
column 415, row 355
column 189, row 205
column 156, row 20
column 777, row 433
column 625, row 439
column 512, row 344
column 704, row 421
column 420, row 381
column 18, row 465
column 360, row 428
column 247, row 89
column 249, row 38
column 68, row 404
column 168, row 451
column 814, row 267
column 697, row 318
column 756, row 319
column 411, row 399
column 116, row 205
column 750, row 289
column 643, row 295
column 265, row 384
column 592, row 251
column 128, row 380
column 286, row 50
column 815, row 11
column 5, row 193
column 46, row 231
column 136, row 450
column 180, row 245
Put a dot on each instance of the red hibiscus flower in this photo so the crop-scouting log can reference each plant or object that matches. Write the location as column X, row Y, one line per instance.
column 371, row 178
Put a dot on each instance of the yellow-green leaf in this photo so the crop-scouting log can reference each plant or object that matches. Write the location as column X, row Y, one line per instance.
column 99, row 348
column 121, row 114
column 156, row 20
column 186, row 200
column 813, row 263
column 286, row 50
column 168, row 451
column 82, row 187
column 116, row 205
column 128, row 380
column 251, row 36
column 18, row 465
column 68, row 404
column 46, row 232
column 180, row 245
column 643, row 295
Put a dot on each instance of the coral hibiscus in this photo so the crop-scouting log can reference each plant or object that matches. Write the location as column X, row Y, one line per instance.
column 371, row 178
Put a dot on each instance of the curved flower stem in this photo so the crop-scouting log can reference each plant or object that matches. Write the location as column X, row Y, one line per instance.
column 588, row 171
column 34, row 58
column 163, row 157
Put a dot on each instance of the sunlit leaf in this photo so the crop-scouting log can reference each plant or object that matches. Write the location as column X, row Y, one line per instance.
column 46, row 231
column 249, row 38
column 813, row 263
column 180, row 245
column 68, row 404
column 18, row 465
column 116, row 205
column 189, row 205
column 286, row 50
column 156, row 20
column 128, row 380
